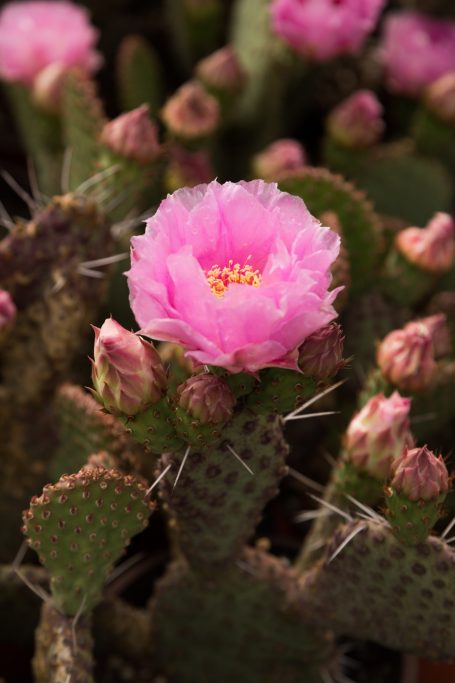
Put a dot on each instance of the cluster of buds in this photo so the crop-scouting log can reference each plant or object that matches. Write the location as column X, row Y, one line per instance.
column 279, row 160
column 377, row 435
column 321, row 354
column 127, row 372
column 357, row 122
column 133, row 135
column 432, row 249
column 191, row 113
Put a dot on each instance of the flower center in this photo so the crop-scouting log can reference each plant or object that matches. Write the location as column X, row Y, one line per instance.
column 219, row 279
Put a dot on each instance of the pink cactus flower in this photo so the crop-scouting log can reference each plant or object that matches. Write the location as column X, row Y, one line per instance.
column 378, row 433
column 357, row 121
column 406, row 357
column 133, row 135
column 416, row 50
column 431, row 248
column 279, row 160
column 127, row 372
column 7, row 309
column 237, row 273
column 35, row 34
column 324, row 29
column 420, row 475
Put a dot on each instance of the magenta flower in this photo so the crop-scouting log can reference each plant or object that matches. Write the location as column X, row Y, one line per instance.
column 238, row 274
column 34, row 35
column 324, row 29
column 416, row 50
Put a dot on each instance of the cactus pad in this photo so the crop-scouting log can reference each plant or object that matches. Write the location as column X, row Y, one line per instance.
column 80, row 527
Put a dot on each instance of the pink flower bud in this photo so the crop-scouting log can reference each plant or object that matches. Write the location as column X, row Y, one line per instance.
column 415, row 50
column 34, row 35
column 47, row 88
column 127, row 372
column 323, row 29
column 7, row 310
column 419, row 475
column 207, row 398
column 280, row 159
column 406, row 358
column 378, row 433
column 440, row 97
column 431, row 248
column 133, row 135
column 440, row 333
column 357, row 122
column 321, row 354
column 222, row 70
column 191, row 112
column 187, row 168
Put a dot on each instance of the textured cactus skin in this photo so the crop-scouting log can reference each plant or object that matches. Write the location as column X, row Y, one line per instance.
column 376, row 588
column 139, row 75
column 57, row 656
column 412, row 521
column 245, row 603
column 324, row 191
column 103, row 509
column 216, row 503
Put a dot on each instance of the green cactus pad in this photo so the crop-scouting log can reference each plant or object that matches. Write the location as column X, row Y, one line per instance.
column 280, row 391
column 139, row 75
column 404, row 282
column 85, row 428
column 378, row 589
column 241, row 625
column 361, row 228
column 435, row 138
column 155, row 428
column 195, row 432
column 412, row 520
column 216, row 503
column 80, row 527
column 63, row 650
column 83, row 120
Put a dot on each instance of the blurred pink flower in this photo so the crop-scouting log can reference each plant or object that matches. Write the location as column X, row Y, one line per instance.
column 279, row 159
column 357, row 121
column 34, row 35
column 431, row 248
column 323, row 29
column 237, row 273
column 416, row 50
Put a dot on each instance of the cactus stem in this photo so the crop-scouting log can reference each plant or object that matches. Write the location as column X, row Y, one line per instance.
column 248, row 469
column 182, row 465
column 312, row 400
column 346, row 541
column 448, row 528
column 158, row 479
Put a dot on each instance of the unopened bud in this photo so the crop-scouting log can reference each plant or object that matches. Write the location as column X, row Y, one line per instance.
column 321, row 354
column 127, row 372
column 279, row 160
column 406, row 357
column 419, row 475
column 440, row 97
column 207, row 398
column 191, row 112
column 357, row 122
column 431, row 248
column 7, row 311
column 378, row 433
column 133, row 135
column 222, row 70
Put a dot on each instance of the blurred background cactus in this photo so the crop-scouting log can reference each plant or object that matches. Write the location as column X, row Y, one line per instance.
column 171, row 513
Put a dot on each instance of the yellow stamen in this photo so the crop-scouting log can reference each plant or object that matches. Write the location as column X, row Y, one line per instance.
column 219, row 279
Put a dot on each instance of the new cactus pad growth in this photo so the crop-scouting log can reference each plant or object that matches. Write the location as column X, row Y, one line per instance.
column 227, row 298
